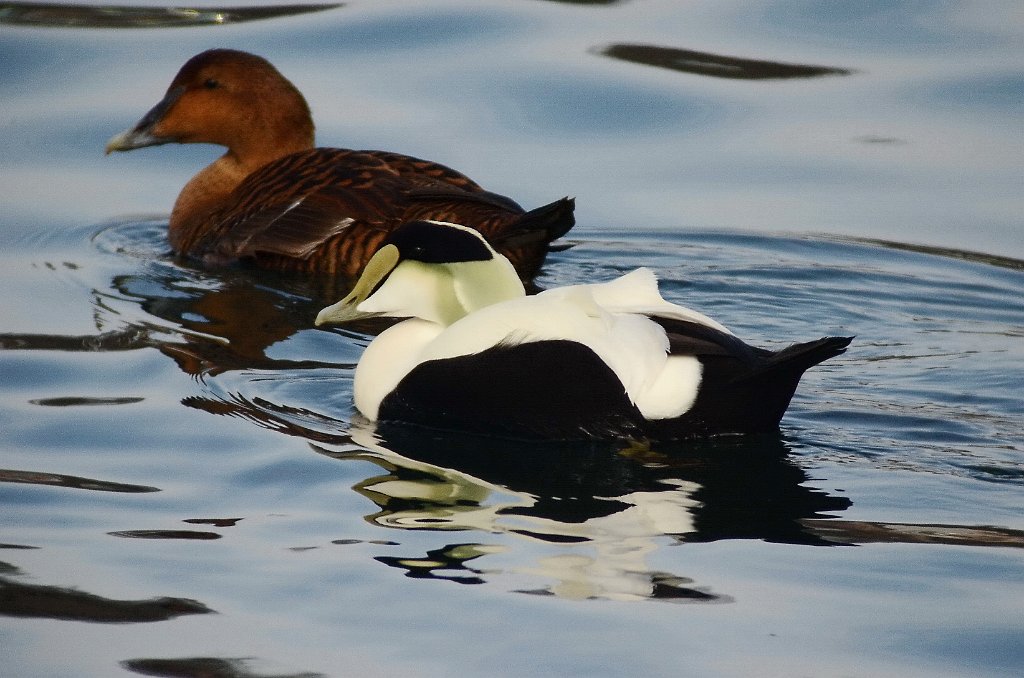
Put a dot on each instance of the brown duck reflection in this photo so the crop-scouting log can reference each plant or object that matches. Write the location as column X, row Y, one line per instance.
column 206, row 325
column 715, row 65
column 228, row 328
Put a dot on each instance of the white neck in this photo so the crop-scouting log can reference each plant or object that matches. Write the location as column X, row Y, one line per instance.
column 478, row 284
column 444, row 293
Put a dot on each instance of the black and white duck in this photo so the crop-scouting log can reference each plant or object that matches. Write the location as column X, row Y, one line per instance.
column 600, row 360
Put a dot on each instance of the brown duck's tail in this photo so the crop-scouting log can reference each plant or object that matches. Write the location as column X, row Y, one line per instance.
column 540, row 225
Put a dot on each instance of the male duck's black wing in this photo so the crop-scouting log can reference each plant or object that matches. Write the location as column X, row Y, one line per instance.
column 743, row 389
column 688, row 337
column 699, row 340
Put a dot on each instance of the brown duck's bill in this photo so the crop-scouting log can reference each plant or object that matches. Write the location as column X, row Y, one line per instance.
column 377, row 269
column 142, row 135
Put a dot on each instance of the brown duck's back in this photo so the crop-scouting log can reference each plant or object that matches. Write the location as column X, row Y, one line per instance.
column 328, row 210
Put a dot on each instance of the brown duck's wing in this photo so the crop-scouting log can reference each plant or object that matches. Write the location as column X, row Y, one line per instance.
column 293, row 206
column 438, row 195
column 444, row 194
column 294, row 230
column 425, row 170
column 329, row 209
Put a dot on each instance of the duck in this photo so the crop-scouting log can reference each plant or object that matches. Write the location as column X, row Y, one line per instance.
column 605, row 360
column 277, row 201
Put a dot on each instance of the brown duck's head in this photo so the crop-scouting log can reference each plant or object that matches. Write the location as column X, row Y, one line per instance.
column 229, row 98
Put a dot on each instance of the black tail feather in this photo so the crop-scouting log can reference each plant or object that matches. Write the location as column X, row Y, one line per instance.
column 542, row 224
column 798, row 358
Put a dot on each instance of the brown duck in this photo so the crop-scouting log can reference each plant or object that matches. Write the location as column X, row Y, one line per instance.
column 279, row 202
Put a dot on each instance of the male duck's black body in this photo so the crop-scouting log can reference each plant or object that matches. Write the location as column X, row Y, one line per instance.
column 589, row 361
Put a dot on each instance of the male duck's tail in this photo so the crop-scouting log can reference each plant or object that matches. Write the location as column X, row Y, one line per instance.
column 796, row 359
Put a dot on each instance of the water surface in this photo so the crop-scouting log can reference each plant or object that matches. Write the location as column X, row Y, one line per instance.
column 186, row 489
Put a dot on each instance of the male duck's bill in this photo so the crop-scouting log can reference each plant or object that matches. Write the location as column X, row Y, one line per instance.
column 275, row 200
column 587, row 361
column 377, row 269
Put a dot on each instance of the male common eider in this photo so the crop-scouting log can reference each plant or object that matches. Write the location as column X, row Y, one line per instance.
column 277, row 201
column 587, row 361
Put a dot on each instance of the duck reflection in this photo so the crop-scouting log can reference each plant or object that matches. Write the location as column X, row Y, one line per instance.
column 225, row 328
column 208, row 322
column 222, row 320
column 596, row 511
column 733, row 487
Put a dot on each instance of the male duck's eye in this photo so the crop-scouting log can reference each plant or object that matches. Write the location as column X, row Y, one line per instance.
column 211, row 83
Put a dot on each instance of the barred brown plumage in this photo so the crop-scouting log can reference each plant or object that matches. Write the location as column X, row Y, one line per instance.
column 277, row 201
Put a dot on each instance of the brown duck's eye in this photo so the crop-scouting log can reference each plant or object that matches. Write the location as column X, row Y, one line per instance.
column 211, row 83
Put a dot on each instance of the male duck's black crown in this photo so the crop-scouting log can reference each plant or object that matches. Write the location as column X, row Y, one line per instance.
column 433, row 242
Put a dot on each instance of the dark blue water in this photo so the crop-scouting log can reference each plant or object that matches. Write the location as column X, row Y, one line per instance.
column 185, row 489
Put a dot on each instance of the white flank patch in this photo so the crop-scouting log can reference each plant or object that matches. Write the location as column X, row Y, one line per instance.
column 674, row 391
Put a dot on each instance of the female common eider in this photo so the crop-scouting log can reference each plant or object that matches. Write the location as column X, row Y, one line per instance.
column 275, row 200
column 587, row 361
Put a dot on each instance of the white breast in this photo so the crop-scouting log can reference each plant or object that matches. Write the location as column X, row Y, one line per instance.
column 388, row 358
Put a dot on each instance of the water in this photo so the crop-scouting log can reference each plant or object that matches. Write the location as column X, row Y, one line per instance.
column 186, row 490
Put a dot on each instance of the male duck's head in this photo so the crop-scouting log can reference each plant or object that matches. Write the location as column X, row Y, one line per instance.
column 432, row 270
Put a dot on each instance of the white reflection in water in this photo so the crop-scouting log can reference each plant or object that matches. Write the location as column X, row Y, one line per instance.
column 603, row 556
